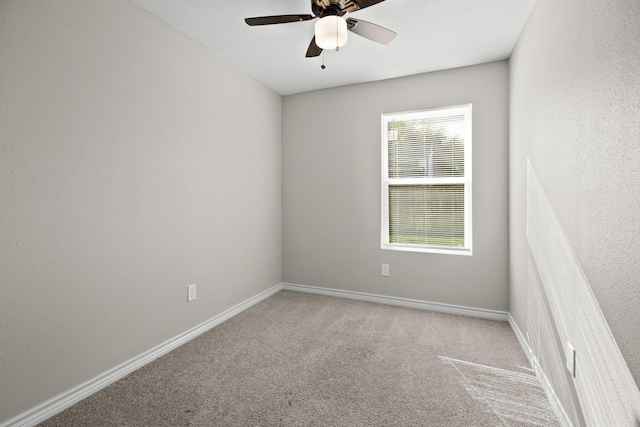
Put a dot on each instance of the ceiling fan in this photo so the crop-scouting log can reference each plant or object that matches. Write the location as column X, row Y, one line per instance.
column 331, row 29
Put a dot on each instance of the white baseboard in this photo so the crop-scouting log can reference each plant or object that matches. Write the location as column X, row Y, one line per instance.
column 556, row 405
column 57, row 404
column 53, row 406
column 401, row 302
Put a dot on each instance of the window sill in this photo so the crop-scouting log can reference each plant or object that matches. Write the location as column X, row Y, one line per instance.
column 427, row 249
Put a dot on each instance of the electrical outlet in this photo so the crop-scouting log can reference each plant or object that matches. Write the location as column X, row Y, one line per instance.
column 571, row 359
column 191, row 292
column 385, row 270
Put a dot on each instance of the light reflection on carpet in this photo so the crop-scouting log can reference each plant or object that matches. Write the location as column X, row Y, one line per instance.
column 515, row 397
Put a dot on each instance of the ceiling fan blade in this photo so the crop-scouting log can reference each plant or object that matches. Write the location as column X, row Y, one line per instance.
column 313, row 49
column 370, row 31
column 353, row 5
column 278, row 19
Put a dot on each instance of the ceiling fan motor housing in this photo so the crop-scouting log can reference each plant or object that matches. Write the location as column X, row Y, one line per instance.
column 326, row 8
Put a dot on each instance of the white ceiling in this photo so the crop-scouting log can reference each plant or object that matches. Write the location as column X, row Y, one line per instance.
column 432, row 35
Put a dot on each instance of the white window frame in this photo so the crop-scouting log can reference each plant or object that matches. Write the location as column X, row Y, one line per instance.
column 466, row 180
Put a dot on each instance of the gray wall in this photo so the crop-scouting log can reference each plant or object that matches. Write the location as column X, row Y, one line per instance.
column 575, row 115
column 133, row 162
column 331, row 189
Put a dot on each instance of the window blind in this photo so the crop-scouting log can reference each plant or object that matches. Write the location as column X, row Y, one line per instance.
column 430, row 215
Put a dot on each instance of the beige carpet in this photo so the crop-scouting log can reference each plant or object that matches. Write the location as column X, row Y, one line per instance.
column 305, row 360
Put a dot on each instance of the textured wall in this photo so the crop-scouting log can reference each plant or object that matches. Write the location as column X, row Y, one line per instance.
column 575, row 113
column 331, row 189
column 128, row 170
column 604, row 386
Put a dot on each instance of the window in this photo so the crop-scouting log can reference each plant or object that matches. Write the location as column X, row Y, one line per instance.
column 426, row 180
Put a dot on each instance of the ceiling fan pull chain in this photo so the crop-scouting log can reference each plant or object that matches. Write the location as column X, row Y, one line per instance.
column 337, row 34
column 322, row 66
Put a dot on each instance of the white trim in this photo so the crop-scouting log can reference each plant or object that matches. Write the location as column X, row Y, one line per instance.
column 52, row 406
column 401, row 302
column 556, row 405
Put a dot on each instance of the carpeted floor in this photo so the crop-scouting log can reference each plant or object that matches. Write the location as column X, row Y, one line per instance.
column 304, row 360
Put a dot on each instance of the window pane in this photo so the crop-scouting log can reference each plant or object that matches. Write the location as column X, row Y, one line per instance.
column 426, row 147
column 430, row 215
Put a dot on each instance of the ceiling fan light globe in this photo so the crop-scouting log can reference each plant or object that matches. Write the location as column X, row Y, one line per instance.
column 331, row 32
